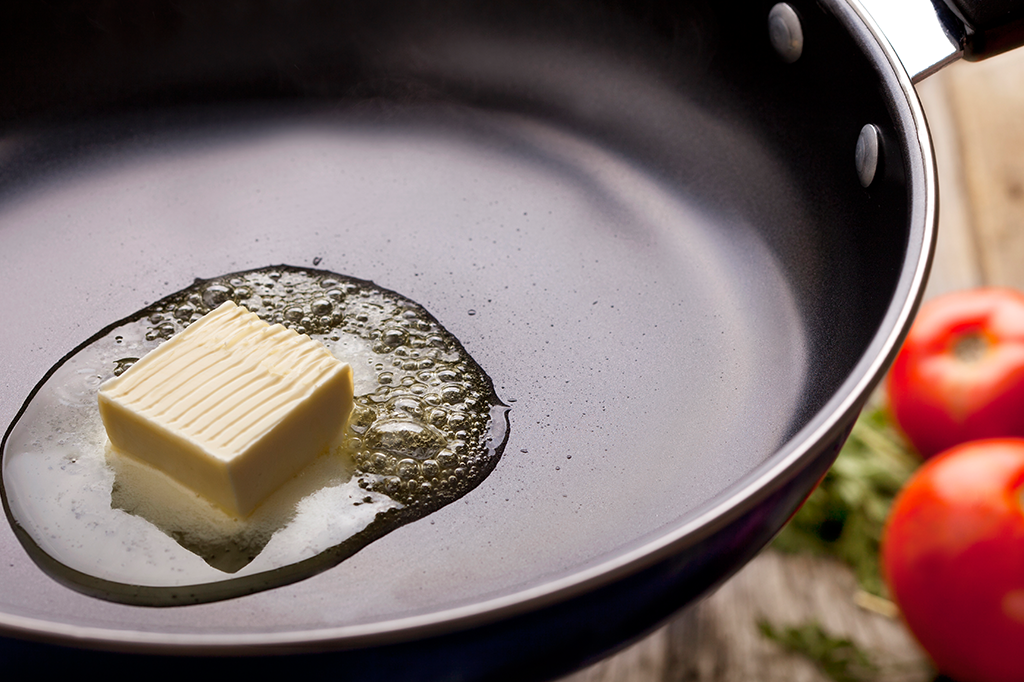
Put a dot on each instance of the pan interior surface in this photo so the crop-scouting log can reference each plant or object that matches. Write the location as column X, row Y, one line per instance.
column 644, row 333
column 661, row 295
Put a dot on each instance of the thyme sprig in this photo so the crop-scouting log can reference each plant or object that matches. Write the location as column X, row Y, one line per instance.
column 844, row 517
column 838, row 657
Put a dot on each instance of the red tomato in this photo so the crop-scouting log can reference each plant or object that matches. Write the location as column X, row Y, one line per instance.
column 960, row 373
column 953, row 556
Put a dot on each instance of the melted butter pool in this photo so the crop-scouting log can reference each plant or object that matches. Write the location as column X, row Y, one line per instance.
column 427, row 427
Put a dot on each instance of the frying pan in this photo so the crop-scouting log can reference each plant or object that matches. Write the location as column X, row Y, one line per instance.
column 650, row 225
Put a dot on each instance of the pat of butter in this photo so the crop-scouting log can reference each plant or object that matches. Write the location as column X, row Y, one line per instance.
column 231, row 407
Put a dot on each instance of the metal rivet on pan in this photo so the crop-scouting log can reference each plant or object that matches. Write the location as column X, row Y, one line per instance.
column 868, row 153
column 786, row 34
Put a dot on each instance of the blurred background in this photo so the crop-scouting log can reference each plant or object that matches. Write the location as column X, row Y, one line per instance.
column 976, row 115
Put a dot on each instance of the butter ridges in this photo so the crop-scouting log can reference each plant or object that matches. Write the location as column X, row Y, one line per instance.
column 207, row 406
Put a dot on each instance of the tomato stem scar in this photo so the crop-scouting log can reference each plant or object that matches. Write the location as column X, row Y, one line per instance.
column 971, row 347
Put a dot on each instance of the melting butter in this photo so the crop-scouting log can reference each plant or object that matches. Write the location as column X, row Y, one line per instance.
column 426, row 427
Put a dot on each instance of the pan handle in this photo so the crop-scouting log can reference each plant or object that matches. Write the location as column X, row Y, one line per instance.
column 928, row 34
column 993, row 26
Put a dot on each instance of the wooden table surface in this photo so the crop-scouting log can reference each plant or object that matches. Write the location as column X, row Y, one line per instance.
column 976, row 114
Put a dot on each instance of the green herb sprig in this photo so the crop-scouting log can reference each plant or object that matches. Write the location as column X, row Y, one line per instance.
column 844, row 517
column 839, row 658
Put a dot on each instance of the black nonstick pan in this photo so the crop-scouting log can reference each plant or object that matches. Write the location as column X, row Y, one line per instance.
column 683, row 253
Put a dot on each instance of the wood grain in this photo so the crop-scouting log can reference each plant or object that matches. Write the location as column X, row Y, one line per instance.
column 987, row 100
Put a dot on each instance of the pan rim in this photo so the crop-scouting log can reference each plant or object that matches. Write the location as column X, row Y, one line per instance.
column 727, row 506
